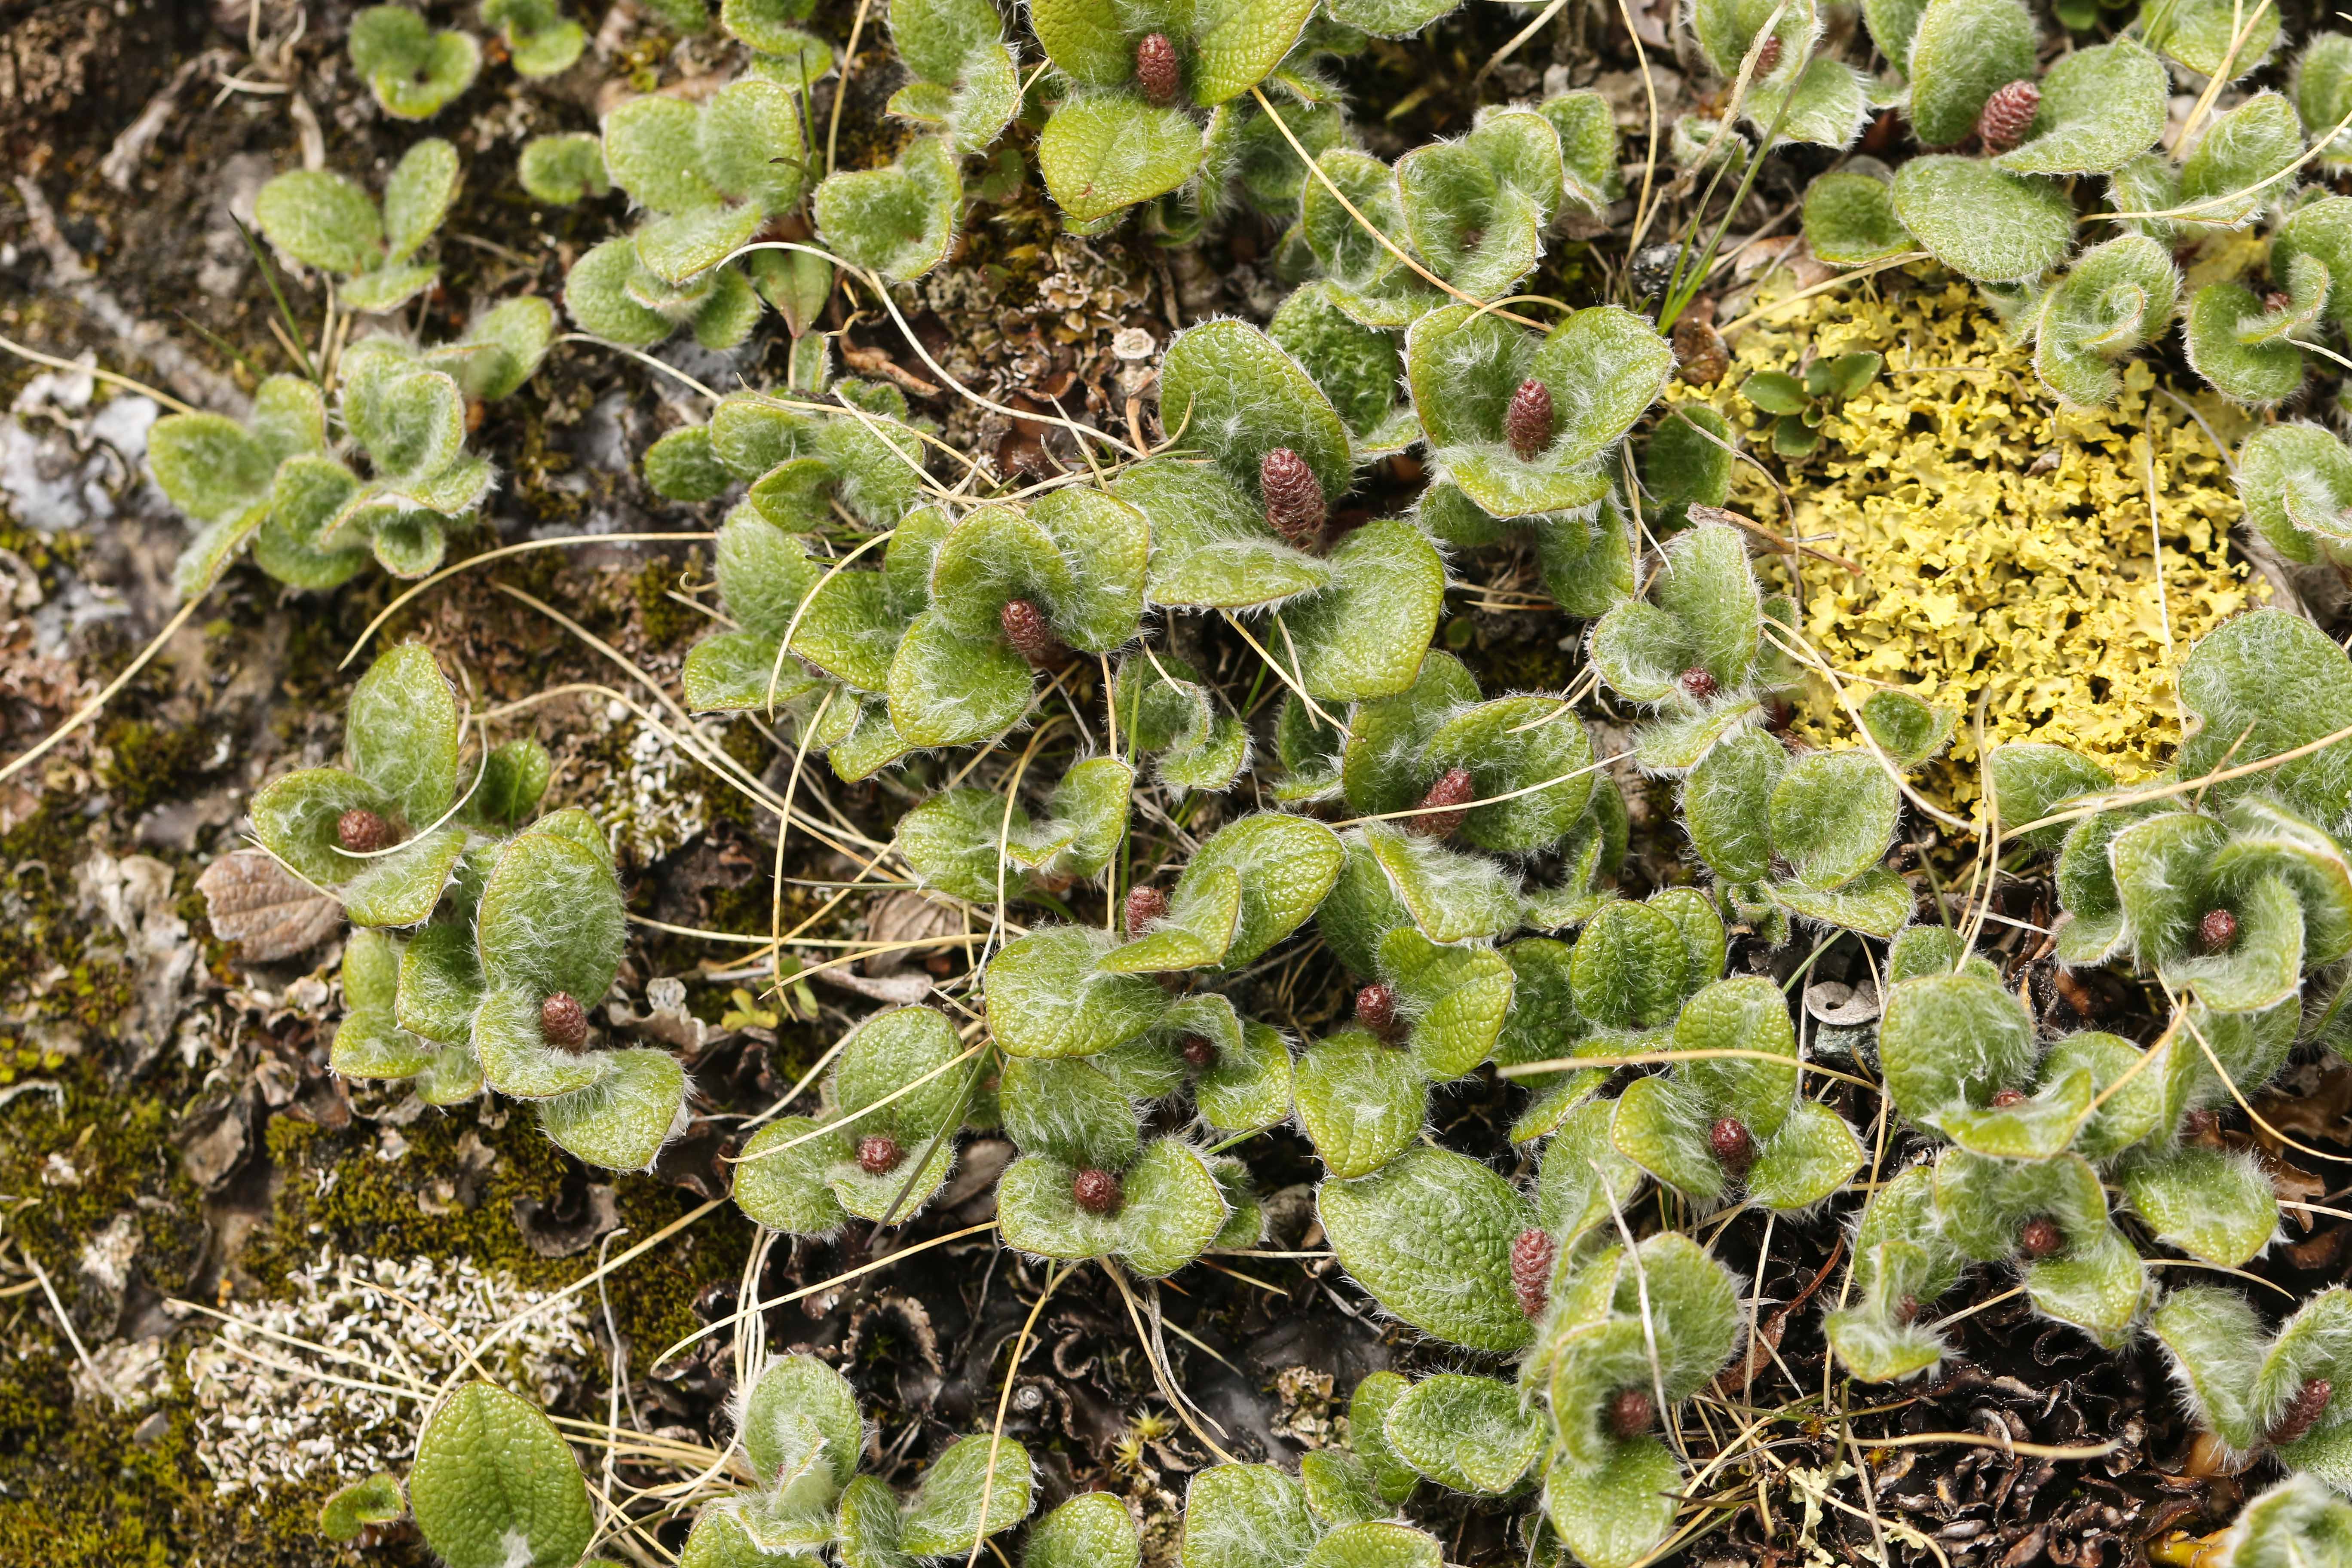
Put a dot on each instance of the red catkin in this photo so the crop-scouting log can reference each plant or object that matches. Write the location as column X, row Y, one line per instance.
column 1157, row 70
column 2217, row 931
column 2007, row 115
column 878, row 1153
column 1527, row 422
column 1145, row 908
column 1697, row 684
column 1630, row 1412
column 362, row 832
column 1096, row 1191
column 2002, row 1098
column 1454, row 788
column 1734, row 1145
column 1768, row 59
column 2303, row 1412
column 1030, row 635
column 1532, row 1255
column 2040, row 1238
column 1198, row 1051
column 563, row 1022
column 1376, row 1006
column 1295, row 503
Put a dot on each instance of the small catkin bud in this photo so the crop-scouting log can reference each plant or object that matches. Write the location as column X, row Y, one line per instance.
column 1144, row 907
column 2303, row 1412
column 1030, row 635
column 1527, row 422
column 2277, row 302
column 362, row 832
column 2002, row 1098
column 1768, row 59
column 1907, row 1312
column 1632, row 1412
column 563, row 1022
column 2199, row 1124
column 1454, row 787
column 1096, row 1191
column 2040, row 1238
column 1376, row 1007
column 1697, row 684
column 878, row 1153
column 1157, row 70
column 1734, row 1145
column 1294, row 504
column 2007, row 116
column 1532, row 1255
column 1199, row 1052
column 2217, row 931
column 1701, row 356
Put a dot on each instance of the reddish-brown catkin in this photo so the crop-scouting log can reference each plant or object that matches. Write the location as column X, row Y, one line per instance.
column 1096, row 1191
column 1630, row 1412
column 1454, row 789
column 362, row 832
column 1199, row 1052
column 2303, row 1412
column 2040, row 1238
column 878, row 1153
column 1697, row 684
column 1030, row 633
column 2217, row 931
column 1158, row 72
column 1528, row 423
column 1734, row 1145
column 1768, row 59
column 1295, row 503
column 2007, row 116
column 1533, row 1252
column 563, row 1022
column 1376, row 1006
column 1145, row 908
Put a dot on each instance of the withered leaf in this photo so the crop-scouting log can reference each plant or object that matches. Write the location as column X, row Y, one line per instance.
column 269, row 912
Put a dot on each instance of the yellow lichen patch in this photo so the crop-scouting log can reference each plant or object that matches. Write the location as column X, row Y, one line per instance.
column 2005, row 544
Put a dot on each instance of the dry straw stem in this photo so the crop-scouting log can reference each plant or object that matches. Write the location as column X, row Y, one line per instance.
column 2222, row 76
column 1053, row 1277
column 91, row 709
column 641, row 357
column 1474, row 804
column 1160, row 1372
column 2005, row 1443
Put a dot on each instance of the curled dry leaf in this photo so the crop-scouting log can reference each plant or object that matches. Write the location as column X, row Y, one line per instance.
column 267, row 911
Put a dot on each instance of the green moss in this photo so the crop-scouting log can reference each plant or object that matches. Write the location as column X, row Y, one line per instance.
column 144, row 764
column 334, row 1190
column 665, row 620
column 116, row 1148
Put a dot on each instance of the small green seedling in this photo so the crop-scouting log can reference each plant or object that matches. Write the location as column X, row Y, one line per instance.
column 413, row 71
column 1621, row 1345
column 881, row 1144
column 268, row 481
column 1331, row 1516
column 1087, row 1184
column 803, row 1431
column 711, row 176
column 1705, row 1126
column 1137, row 75
column 2255, row 1389
column 376, row 1500
column 323, row 220
column 1696, row 650
column 1168, row 713
column 1248, row 530
column 1800, row 406
column 1522, row 425
column 1799, row 838
column 494, row 1485
column 966, row 78
column 1477, row 209
column 978, row 846
column 540, row 38
column 2116, row 298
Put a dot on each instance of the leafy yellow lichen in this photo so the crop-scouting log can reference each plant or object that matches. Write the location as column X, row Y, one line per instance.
column 2004, row 544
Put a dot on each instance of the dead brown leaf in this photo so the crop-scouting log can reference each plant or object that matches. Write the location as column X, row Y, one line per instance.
column 269, row 912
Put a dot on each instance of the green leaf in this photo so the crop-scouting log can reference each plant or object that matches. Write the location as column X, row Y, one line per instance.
column 2264, row 684
column 1960, row 51
column 1237, row 395
column 1907, row 728
column 1691, row 456
column 1071, row 1110
column 1356, row 367
column 440, row 985
column 1468, row 1434
column 2322, row 91
column 1249, row 1087
column 947, row 691
column 900, row 221
column 1617, row 1515
column 1362, row 1102
column 1833, row 815
column 2208, row 1203
column 320, row 219
column 1383, row 767
column 624, row 1119
column 1630, row 969
column 2116, row 297
column 597, row 293
column 2100, row 107
column 2200, row 35
column 1048, row 997
column 209, row 467
column 1287, row 864
column 1948, row 1042
column 1456, row 996
column 495, row 1487
column 1089, row 1531
column 1428, row 1236
column 417, row 197
column 1727, row 802
column 2222, row 178
column 1451, row 896
column 1365, row 635
column 1244, row 1515
column 1211, row 546
column 790, row 1190
column 1104, row 152
column 1982, row 222
column 1237, row 44
column 378, row 1499
column 944, row 1514
column 552, row 919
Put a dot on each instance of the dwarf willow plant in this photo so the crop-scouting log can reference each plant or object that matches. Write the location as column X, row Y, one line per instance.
column 802, row 1430
column 540, row 38
column 415, row 71
column 322, row 220
column 1334, row 1514
column 495, row 1485
column 484, row 936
